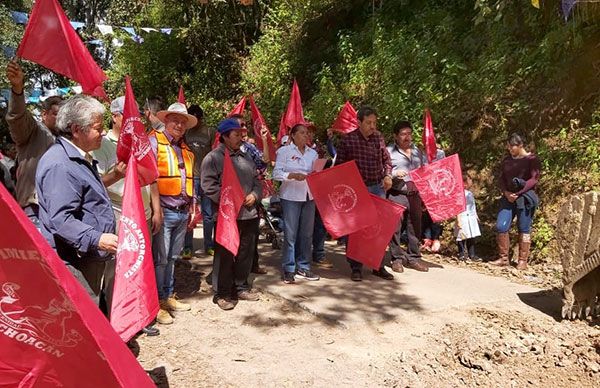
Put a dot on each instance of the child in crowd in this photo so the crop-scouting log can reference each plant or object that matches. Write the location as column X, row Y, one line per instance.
column 466, row 228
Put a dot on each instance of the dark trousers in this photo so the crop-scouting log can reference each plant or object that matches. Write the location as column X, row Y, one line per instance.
column 411, row 223
column 318, row 240
column 230, row 273
column 98, row 279
column 466, row 247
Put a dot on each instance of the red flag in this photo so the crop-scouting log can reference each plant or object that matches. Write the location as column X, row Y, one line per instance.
column 258, row 122
column 51, row 41
column 346, row 120
column 293, row 114
column 237, row 110
column 429, row 138
column 133, row 136
column 342, row 199
column 440, row 185
column 51, row 333
column 230, row 203
column 368, row 245
column 181, row 96
column 135, row 298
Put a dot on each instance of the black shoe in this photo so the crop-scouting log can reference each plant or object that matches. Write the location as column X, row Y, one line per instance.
column 476, row 258
column 356, row 275
column 382, row 273
column 308, row 275
column 288, row 278
column 150, row 331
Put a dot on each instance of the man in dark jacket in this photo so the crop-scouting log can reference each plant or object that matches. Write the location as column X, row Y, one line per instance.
column 76, row 215
column 230, row 274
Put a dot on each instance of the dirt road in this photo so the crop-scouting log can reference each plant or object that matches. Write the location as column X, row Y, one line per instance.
column 450, row 327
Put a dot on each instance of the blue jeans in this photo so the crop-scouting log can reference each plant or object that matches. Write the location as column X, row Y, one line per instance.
column 375, row 190
column 165, row 245
column 507, row 213
column 32, row 212
column 299, row 221
column 431, row 230
column 318, row 242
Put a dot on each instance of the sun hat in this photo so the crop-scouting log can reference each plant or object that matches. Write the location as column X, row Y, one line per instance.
column 179, row 109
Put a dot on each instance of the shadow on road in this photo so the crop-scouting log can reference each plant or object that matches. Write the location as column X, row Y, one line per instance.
column 547, row 301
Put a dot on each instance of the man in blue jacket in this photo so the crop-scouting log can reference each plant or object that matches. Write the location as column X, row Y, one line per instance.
column 76, row 215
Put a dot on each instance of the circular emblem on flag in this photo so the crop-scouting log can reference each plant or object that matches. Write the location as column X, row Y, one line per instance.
column 442, row 183
column 226, row 206
column 43, row 326
column 343, row 198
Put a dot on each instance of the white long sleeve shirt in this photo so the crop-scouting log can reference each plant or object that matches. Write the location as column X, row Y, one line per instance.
column 291, row 160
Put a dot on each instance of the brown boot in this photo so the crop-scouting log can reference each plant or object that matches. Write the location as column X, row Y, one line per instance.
column 503, row 242
column 524, row 245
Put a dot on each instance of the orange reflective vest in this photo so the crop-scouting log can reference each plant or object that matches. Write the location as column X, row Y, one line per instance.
column 169, row 174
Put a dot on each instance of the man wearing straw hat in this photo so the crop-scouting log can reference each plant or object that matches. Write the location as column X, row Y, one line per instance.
column 176, row 192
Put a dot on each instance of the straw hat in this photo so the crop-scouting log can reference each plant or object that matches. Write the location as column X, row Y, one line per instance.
column 179, row 109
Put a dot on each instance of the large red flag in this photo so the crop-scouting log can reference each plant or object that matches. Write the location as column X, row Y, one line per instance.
column 51, row 333
column 258, row 122
column 440, row 185
column 237, row 110
column 429, row 137
column 133, row 137
column 346, row 120
column 368, row 245
column 181, row 96
column 51, row 41
column 293, row 114
column 342, row 199
column 230, row 203
column 135, row 298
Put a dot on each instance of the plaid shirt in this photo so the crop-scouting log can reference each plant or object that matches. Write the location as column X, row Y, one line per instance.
column 370, row 155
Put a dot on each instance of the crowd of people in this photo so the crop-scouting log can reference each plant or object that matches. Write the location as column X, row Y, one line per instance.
column 70, row 184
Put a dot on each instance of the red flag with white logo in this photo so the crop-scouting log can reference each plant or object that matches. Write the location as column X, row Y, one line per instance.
column 440, row 186
column 429, row 137
column 258, row 122
column 342, row 199
column 237, row 110
column 135, row 298
column 346, row 120
column 51, row 41
column 51, row 332
column 133, row 136
column 231, row 200
column 368, row 245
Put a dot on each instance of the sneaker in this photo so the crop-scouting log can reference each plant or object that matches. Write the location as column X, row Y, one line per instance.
column 288, row 278
column 323, row 263
column 435, row 246
column 426, row 244
column 223, row 303
column 307, row 274
column 248, row 295
column 173, row 304
column 151, row 331
column 382, row 273
column 186, row 254
column 210, row 252
column 163, row 317
column 356, row 275
column 397, row 266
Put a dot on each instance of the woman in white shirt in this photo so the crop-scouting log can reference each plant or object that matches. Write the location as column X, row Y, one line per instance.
column 294, row 162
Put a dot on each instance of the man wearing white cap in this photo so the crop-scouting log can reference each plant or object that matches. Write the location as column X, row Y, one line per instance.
column 176, row 188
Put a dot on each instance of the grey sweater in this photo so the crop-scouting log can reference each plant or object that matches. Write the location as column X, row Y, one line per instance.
column 212, row 169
